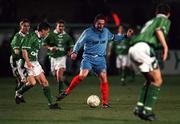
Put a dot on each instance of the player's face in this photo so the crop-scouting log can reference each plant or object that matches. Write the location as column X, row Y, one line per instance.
column 44, row 33
column 25, row 28
column 120, row 30
column 60, row 27
column 99, row 24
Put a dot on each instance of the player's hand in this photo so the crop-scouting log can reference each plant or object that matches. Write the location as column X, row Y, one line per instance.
column 69, row 52
column 130, row 32
column 73, row 56
column 165, row 54
column 108, row 54
column 53, row 49
column 29, row 65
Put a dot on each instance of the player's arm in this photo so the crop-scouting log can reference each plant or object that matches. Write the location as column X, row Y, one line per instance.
column 16, row 51
column 70, row 45
column 26, row 46
column 120, row 38
column 162, row 40
column 46, row 43
column 15, row 45
column 80, row 42
column 115, row 37
column 52, row 49
column 109, row 49
column 26, row 58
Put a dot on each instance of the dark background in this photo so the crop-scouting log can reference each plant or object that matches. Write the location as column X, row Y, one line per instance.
column 79, row 12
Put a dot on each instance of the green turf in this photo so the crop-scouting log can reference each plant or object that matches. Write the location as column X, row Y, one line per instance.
column 74, row 107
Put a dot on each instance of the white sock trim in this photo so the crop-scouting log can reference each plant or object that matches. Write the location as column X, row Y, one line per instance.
column 140, row 104
column 148, row 108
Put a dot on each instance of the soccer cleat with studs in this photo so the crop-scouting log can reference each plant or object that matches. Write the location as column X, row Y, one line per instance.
column 104, row 106
column 54, row 106
column 61, row 96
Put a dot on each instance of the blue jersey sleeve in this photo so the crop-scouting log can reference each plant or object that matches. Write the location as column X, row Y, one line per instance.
column 80, row 42
column 115, row 37
column 118, row 38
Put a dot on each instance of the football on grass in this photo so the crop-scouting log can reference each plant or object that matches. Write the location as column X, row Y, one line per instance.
column 93, row 101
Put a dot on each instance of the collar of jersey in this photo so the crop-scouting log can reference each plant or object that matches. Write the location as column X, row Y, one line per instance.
column 59, row 33
column 96, row 30
column 161, row 15
column 23, row 33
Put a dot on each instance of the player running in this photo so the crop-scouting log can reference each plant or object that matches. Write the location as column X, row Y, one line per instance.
column 59, row 44
column 30, row 48
column 94, row 39
column 16, row 59
column 152, row 37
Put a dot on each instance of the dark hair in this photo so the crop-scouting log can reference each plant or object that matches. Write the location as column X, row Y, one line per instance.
column 163, row 9
column 99, row 16
column 43, row 26
column 60, row 21
column 24, row 21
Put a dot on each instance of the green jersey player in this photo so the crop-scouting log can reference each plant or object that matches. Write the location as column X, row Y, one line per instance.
column 121, row 51
column 16, row 60
column 59, row 44
column 152, row 37
column 30, row 48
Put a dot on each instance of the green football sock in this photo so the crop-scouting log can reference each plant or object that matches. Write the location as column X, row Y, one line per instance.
column 66, row 82
column 152, row 94
column 123, row 73
column 47, row 94
column 19, row 86
column 24, row 88
column 142, row 96
column 61, row 86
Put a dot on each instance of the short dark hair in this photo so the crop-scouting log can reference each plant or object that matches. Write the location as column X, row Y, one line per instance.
column 99, row 16
column 163, row 9
column 43, row 26
column 24, row 20
column 60, row 21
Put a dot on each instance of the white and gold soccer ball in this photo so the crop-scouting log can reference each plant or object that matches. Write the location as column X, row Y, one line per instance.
column 93, row 101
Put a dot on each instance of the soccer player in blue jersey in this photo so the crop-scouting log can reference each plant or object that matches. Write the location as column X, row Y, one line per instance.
column 94, row 40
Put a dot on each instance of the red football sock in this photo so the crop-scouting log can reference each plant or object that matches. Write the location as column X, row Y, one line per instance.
column 104, row 92
column 76, row 80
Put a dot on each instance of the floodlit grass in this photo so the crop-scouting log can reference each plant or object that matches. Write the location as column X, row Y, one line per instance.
column 75, row 110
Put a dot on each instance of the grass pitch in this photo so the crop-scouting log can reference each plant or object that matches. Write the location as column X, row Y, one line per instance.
column 75, row 110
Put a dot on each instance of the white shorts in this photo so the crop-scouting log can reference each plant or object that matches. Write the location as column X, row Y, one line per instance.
column 57, row 63
column 122, row 61
column 36, row 70
column 141, row 56
column 18, row 68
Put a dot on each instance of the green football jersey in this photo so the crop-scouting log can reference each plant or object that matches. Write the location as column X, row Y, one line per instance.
column 16, row 43
column 62, row 41
column 121, row 48
column 147, row 33
column 32, row 43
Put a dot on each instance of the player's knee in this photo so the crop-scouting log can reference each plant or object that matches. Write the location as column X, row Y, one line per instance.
column 59, row 78
column 45, row 83
column 158, row 82
column 33, row 83
column 81, row 77
column 103, row 78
